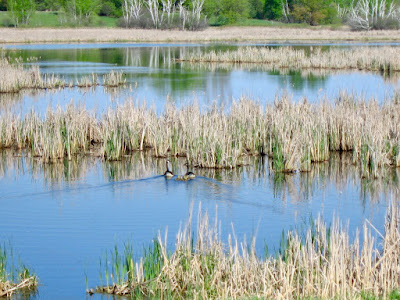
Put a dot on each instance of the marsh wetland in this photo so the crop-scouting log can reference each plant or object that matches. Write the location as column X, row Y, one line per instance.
column 273, row 147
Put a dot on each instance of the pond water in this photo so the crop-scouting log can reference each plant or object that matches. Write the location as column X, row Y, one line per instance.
column 61, row 218
column 153, row 76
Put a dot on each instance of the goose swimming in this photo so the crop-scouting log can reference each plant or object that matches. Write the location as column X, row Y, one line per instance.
column 168, row 173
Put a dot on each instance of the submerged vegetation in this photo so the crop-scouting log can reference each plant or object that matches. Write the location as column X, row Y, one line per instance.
column 320, row 263
column 14, row 78
column 294, row 135
column 13, row 278
column 381, row 59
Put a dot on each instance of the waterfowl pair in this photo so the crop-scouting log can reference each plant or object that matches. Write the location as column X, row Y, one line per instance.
column 168, row 173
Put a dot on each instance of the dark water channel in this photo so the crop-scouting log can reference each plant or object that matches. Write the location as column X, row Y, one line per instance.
column 62, row 217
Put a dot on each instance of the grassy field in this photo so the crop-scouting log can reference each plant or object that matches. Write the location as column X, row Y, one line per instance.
column 322, row 262
column 55, row 19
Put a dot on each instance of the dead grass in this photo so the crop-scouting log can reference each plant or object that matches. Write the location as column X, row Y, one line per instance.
column 7, row 289
column 323, row 262
column 293, row 135
column 382, row 59
column 12, row 35
column 14, row 78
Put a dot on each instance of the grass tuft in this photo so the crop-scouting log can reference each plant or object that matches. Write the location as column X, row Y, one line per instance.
column 13, row 278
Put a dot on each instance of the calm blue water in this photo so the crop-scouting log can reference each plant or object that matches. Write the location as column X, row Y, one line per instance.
column 153, row 76
column 61, row 218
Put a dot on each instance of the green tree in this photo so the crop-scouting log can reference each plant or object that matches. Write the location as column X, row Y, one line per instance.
column 226, row 11
column 3, row 5
column 256, row 10
column 314, row 12
column 42, row 5
column 273, row 9
column 21, row 10
column 81, row 11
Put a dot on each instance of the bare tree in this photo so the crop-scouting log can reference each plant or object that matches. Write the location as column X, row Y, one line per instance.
column 372, row 14
column 342, row 12
column 131, row 10
column 193, row 17
column 183, row 13
column 154, row 9
column 286, row 10
column 168, row 7
column 196, row 11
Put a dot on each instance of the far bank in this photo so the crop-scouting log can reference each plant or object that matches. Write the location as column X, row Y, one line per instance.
column 213, row 34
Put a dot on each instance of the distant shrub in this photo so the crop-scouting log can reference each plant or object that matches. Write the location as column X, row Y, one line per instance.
column 314, row 12
column 108, row 9
column 7, row 22
column 21, row 11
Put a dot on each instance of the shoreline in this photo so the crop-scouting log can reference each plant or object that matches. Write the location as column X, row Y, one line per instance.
column 211, row 34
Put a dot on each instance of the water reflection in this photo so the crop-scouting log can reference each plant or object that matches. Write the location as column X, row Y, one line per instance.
column 154, row 75
column 338, row 172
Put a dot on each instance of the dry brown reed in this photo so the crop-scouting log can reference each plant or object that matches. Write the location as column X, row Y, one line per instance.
column 323, row 262
column 14, row 78
column 382, row 59
column 7, row 288
column 391, row 77
column 113, row 79
column 35, row 35
column 294, row 135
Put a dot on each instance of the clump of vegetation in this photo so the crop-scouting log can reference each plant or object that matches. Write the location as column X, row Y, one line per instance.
column 113, row 79
column 13, row 278
column 14, row 78
column 293, row 135
column 319, row 263
column 166, row 14
column 380, row 59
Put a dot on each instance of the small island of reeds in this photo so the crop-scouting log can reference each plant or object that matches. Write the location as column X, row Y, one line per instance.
column 324, row 262
column 381, row 59
column 14, row 77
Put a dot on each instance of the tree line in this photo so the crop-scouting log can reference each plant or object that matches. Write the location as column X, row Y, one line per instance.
column 194, row 14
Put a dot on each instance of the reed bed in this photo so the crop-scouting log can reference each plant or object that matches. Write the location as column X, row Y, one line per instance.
column 293, row 135
column 382, row 59
column 66, row 35
column 13, row 278
column 321, row 263
column 14, row 78
column 310, row 73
